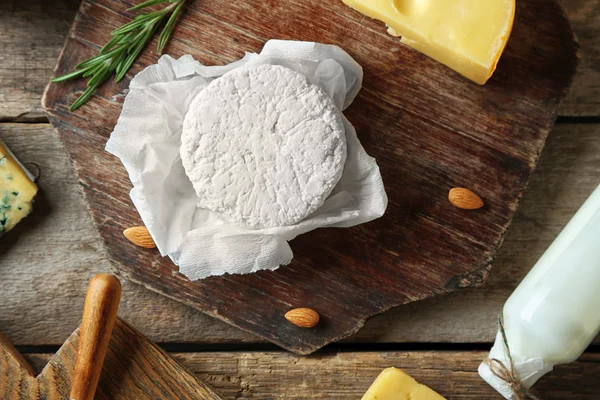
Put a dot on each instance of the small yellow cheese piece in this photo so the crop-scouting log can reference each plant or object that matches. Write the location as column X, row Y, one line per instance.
column 394, row 384
column 468, row 36
column 16, row 190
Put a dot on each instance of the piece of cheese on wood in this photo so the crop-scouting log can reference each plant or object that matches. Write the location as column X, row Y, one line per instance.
column 468, row 36
column 394, row 384
column 17, row 190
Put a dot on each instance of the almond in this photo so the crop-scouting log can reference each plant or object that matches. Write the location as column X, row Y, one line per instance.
column 465, row 199
column 303, row 317
column 139, row 236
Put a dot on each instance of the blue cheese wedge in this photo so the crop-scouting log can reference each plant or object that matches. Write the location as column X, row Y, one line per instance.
column 263, row 146
column 17, row 190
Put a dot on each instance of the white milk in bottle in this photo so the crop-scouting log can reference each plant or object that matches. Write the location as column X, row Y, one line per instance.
column 554, row 313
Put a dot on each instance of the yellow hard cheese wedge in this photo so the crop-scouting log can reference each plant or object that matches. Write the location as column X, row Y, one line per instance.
column 394, row 384
column 468, row 36
column 16, row 190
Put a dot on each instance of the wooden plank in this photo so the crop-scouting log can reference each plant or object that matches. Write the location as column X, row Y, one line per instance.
column 486, row 137
column 584, row 97
column 31, row 35
column 346, row 376
column 46, row 263
column 134, row 368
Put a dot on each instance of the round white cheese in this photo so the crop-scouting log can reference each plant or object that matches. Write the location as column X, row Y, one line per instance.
column 263, row 147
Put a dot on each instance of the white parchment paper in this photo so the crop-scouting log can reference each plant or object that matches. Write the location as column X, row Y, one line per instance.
column 147, row 138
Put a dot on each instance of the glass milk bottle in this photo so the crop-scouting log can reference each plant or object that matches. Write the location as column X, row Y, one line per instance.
column 554, row 314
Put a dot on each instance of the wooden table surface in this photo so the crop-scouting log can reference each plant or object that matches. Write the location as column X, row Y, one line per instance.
column 46, row 262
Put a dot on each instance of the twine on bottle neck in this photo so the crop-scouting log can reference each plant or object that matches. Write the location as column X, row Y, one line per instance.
column 506, row 374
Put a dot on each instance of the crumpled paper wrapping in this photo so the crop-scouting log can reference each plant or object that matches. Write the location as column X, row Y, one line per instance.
column 147, row 139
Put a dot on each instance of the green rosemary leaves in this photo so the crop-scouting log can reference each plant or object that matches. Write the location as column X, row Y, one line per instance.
column 119, row 54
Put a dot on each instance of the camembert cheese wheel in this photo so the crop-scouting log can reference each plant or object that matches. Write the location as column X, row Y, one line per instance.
column 263, row 146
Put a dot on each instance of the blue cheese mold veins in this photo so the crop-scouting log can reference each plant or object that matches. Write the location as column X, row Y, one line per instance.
column 17, row 190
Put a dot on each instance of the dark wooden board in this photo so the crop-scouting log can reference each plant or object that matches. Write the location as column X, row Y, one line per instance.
column 429, row 129
column 134, row 368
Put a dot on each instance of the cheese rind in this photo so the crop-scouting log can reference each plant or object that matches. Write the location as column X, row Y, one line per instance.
column 17, row 190
column 263, row 146
column 395, row 384
column 468, row 36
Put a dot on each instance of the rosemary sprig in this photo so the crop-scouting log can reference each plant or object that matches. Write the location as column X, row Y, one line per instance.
column 126, row 44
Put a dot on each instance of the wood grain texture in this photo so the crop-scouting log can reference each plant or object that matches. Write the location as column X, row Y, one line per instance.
column 346, row 376
column 487, row 138
column 16, row 357
column 44, row 284
column 32, row 33
column 584, row 97
column 134, row 369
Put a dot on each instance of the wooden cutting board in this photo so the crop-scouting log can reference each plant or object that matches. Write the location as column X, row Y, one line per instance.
column 429, row 129
column 134, row 368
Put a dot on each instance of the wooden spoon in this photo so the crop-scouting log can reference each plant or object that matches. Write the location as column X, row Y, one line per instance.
column 99, row 317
